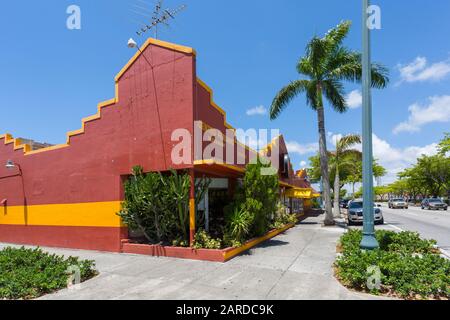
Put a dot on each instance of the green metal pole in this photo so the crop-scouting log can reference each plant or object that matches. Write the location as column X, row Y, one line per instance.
column 369, row 241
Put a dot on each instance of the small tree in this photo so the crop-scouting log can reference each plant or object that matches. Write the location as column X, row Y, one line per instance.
column 324, row 68
column 264, row 190
column 255, row 204
column 343, row 156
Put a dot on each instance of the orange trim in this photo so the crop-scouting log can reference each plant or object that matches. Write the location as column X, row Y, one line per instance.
column 197, row 254
column 270, row 145
column 234, row 252
column 158, row 43
column 221, row 111
column 214, row 162
column 27, row 148
column 92, row 214
column 211, row 96
column 205, row 127
column 287, row 185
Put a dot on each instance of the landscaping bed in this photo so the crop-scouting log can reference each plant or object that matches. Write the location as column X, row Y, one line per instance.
column 410, row 267
column 157, row 210
column 31, row 273
column 214, row 255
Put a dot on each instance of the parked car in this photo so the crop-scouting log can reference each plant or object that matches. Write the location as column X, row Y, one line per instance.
column 344, row 204
column 398, row 204
column 355, row 213
column 434, row 204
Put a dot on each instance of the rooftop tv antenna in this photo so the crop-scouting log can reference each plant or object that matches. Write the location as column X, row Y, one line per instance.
column 160, row 16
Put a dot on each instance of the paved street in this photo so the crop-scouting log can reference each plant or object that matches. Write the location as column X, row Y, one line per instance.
column 430, row 224
column 294, row 265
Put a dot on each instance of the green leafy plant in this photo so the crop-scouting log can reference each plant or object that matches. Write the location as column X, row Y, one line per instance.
column 255, row 203
column 175, row 201
column 31, row 273
column 283, row 218
column 157, row 205
column 180, row 243
column 142, row 208
column 239, row 223
column 201, row 187
column 204, row 241
column 410, row 266
column 261, row 194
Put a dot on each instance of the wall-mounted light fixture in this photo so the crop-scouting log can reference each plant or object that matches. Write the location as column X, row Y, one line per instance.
column 132, row 43
column 11, row 165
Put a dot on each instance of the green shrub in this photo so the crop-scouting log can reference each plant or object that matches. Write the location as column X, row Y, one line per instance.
column 229, row 242
column 252, row 212
column 204, row 241
column 31, row 273
column 180, row 243
column 263, row 190
column 158, row 205
column 239, row 222
column 410, row 266
column 403, row 242
column 282, row 218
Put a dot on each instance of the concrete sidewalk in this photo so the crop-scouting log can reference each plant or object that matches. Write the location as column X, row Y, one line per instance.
column 294, row 265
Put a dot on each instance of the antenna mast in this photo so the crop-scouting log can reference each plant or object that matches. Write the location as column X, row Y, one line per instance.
column 160, row 16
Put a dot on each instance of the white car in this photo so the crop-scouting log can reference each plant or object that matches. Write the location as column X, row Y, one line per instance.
column 355, row 213
column 398, row 204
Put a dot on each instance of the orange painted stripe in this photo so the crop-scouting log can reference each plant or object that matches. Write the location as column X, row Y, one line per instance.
column 234, row 252
column 95, row 214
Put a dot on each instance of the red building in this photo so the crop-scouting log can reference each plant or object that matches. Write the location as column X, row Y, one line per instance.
column 68, row 195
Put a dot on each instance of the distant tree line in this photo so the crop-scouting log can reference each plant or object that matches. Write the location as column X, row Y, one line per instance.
column 428, row 177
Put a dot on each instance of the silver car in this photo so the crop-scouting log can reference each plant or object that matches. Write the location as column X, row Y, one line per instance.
column 355, row 213
column 398, row 204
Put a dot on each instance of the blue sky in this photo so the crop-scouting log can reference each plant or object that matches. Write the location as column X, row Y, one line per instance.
column 247, row 50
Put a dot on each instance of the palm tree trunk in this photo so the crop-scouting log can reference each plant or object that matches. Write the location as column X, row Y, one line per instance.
column 337, row 189
column 329, row 219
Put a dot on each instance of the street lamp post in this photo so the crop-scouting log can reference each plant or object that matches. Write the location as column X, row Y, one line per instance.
column 369, row 241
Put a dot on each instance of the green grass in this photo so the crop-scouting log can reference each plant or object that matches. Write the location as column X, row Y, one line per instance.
column 31, row 273
column 411, row 267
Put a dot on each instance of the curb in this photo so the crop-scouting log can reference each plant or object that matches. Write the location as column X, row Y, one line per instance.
column 445, row 253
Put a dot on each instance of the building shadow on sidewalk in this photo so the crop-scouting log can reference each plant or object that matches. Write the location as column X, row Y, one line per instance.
column 313, row 213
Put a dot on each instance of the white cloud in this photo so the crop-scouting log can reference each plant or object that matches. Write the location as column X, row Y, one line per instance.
column 257, row 111
column 334, row 138
column 354, row 99
column 302, row 149
column 395, row 159
column 438, row 110
column 419, row 70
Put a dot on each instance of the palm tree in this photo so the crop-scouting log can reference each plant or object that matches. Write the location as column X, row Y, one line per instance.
column 342, row 158
column 326, row 65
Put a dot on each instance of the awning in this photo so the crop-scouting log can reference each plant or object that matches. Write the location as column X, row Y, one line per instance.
column 219, row 169
column 302, row 193
column 299, row 193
